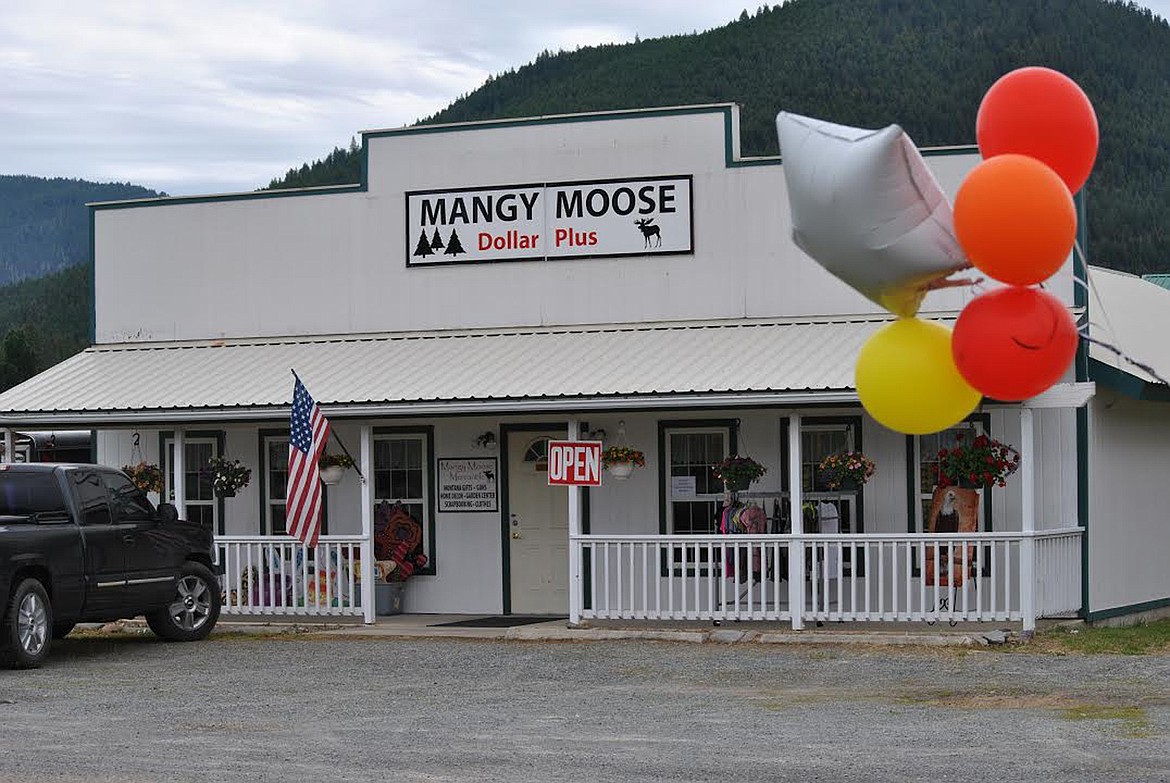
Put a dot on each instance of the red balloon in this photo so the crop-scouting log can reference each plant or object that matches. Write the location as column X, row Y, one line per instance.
column 1013, row 343
column 1041, row 113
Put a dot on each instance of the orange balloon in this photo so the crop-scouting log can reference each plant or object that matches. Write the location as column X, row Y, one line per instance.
column 1041, row 113
column 1015, row 219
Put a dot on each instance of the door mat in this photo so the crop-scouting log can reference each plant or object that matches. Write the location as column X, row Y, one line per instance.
column 496, row 621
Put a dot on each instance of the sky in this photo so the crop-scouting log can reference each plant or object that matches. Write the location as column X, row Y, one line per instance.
column 222, row 96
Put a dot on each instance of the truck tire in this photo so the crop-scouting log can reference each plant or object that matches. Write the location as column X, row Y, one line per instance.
column 27, row 629
column 194, row 610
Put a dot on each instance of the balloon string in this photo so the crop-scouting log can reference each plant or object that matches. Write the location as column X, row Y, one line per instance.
column 1121, row 355
column 1091, row 289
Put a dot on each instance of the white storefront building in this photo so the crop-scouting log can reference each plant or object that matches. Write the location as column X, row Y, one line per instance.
column 624, row 276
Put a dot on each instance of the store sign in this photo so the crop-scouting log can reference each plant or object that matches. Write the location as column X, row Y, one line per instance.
column 567, row 220
column 574, row 463
column 468, row 484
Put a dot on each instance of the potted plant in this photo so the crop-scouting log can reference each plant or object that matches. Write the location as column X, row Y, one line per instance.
column 847, row 470
column 979, row 462
column 226, row 476
column 147, row 477
column 620, row 461
column 332, row 466
column 737, row 472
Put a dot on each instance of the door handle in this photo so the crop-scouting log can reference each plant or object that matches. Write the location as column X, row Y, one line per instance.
column 128, row 539
column 516, row 534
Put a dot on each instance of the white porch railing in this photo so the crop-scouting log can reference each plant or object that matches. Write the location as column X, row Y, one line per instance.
column 975, row 577
column 279, row 575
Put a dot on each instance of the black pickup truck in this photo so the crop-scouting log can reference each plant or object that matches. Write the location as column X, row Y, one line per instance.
column 82, row 543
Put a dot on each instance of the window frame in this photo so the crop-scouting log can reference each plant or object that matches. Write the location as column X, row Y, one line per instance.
column 166, row 441
column 425, row 434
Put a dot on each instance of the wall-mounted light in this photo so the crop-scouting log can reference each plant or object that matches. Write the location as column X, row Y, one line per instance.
column 486, row 441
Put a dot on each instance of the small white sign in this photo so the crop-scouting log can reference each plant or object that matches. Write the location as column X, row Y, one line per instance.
column 682, row 486
column 468, row 484
column 635, row 217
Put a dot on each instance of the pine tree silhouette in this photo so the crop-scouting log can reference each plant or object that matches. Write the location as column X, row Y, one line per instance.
column 436, row 241
column 454, row 246
column 424, row 247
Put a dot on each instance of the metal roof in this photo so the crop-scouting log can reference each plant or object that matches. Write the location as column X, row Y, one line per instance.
column 1131, row 315
column 516, row 370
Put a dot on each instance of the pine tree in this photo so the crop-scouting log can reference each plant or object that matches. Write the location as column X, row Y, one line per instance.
column 454, row 246
column 436, row 242
column 424, row 247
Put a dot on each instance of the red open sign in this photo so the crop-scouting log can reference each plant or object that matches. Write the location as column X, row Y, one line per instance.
column 574, row 463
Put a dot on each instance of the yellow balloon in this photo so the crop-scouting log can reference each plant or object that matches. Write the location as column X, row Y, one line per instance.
column 907, row 379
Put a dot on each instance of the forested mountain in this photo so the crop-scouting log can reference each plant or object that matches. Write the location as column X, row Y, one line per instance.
column 46, row 298
column 870, row 63
column 44, row 224
column 44, row 321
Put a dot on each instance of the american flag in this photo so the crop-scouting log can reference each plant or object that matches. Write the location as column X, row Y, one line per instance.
column 308, row 431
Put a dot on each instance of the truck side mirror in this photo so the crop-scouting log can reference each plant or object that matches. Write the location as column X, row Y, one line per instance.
column 167, row 513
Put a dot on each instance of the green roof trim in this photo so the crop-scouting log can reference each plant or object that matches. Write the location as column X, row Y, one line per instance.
column 1130, row 385
column 1162, row 280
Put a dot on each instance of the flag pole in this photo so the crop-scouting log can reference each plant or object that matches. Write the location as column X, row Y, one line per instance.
column 338, row 439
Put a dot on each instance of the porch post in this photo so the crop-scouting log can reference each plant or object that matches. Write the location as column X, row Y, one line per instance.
column 8, row 446
column 178, row 468
column 574, row 532
column 367, row 546
column 1027, row 525
column 796, row 546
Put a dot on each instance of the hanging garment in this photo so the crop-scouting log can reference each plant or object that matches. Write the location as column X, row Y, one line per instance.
column 830, row 522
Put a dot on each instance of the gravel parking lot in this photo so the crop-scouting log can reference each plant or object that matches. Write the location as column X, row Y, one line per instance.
column 289, row 708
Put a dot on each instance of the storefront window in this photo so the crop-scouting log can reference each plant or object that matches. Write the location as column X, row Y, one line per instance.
column 692, row 453
column 402, row 475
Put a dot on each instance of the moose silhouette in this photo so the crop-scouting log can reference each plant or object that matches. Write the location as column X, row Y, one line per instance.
column 648, row 229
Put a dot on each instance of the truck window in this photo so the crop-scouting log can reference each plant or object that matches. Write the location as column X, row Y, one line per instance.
column 127, row 502
column 23, row 494
column 92, row 497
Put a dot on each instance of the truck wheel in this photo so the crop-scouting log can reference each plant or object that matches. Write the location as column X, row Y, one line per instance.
column 193, row 611
column 27, row 623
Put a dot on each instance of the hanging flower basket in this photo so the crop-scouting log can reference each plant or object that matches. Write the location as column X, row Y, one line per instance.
column 737, row 472
column 620, row 461
column 620, row 470
column 147, row 477
column 333, row 466
column 332, row 474
column 976, row 463
column 846, row 471
column 226, row 476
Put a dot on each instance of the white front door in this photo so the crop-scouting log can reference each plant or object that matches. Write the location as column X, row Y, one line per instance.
column 538, row 526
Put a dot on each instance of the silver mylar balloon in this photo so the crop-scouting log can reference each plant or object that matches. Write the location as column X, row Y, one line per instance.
column 867, row 209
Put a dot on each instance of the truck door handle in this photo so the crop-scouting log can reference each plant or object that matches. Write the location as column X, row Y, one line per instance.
column 128, row 539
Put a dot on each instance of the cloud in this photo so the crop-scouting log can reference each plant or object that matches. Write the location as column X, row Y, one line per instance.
column 220, row 96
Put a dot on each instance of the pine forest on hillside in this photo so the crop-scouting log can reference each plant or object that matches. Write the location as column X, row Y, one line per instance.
column 871, row 63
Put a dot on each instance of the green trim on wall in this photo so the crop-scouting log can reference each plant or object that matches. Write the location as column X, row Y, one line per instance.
column 262, row 469
column 1118, row 611
column 1124, row 383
